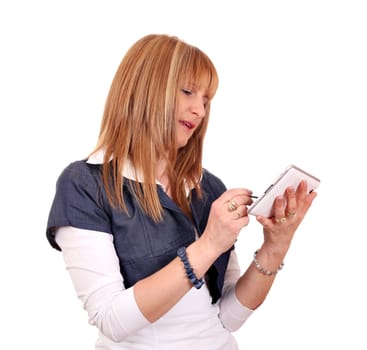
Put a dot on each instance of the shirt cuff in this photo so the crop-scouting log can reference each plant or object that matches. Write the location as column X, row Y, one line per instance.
column 232, row 313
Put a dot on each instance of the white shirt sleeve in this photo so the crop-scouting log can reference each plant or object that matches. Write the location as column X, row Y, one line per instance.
column 93, row 266
column 232, row 313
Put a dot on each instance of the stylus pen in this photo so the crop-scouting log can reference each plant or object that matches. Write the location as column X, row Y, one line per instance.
column 255, row 197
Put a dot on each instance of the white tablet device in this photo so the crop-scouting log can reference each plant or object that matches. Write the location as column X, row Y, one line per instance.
column 291, row 176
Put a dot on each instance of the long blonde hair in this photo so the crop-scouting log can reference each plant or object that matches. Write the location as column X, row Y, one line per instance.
column 139, row 121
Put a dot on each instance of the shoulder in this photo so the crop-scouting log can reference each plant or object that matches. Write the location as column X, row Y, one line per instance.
column 80, row 183
column 81, row 168
column 81, row 173
column 79, row 200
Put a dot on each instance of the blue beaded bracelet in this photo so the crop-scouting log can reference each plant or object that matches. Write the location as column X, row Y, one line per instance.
column 197, row 283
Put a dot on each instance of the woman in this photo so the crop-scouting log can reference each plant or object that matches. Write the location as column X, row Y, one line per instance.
column 147, row 234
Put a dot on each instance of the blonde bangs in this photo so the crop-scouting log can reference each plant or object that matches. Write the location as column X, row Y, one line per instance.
column 196, row 68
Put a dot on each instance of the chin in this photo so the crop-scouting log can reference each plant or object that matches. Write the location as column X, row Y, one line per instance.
column 182, row 143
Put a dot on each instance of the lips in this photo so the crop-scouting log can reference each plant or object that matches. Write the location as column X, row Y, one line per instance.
column 187, row 124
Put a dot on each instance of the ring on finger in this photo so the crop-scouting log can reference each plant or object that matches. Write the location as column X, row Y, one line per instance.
column 232, row 205
column 280, row 220
column 291, row 213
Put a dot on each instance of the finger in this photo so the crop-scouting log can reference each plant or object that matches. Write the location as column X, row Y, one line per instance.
column 234, row 192
column 304, row 197
column 279, row 207
column 242, row 199
column 243, row 220
column 291, row 208
column 265, row 222
column 240, row 212
column 302, row 190
column 237, row 200
column 309, row 199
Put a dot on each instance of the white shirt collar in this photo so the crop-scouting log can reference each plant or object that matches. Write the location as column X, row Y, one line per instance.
column 128, row 170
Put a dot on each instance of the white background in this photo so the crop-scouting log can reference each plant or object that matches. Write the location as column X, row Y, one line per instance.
column 293, row 84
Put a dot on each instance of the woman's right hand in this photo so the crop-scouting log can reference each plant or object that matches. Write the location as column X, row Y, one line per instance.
column 228, row 215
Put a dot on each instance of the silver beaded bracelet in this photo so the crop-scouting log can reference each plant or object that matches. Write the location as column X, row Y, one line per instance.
column 264, row 271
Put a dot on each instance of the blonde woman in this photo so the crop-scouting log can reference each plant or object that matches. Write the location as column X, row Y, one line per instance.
column 148, row 235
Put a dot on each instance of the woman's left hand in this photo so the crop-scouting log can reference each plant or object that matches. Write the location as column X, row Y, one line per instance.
column 289, row 211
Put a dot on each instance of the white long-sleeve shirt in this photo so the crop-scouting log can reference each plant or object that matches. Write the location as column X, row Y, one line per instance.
column 193, row 323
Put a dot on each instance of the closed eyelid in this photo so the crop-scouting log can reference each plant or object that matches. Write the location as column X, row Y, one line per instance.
column 186, row 91
column 192, row 91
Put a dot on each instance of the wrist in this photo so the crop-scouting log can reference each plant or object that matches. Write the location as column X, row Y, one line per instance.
column 195, row 281
column 207, row 248
column 269, row 259
column 274, row 250
column 201, row 256
column 263, row 269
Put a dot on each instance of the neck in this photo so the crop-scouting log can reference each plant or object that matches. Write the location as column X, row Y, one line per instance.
column 161, row 175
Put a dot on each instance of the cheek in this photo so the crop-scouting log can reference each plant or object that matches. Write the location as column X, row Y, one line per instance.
column 182, row 103
column 178, row 111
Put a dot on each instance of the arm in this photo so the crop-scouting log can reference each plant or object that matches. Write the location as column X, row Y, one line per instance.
column 221, row 232
column 93, row 266
column 158, row 293
column 76, row 204
column 253, row 287
column 100, row 287
column 232, row 313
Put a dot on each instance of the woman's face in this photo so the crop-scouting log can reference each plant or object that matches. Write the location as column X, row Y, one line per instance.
column 190, row 111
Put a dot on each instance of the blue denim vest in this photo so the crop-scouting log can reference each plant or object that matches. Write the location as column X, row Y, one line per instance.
column 142, row 245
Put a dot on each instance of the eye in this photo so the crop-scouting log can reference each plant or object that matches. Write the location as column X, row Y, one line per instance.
column 186, row 91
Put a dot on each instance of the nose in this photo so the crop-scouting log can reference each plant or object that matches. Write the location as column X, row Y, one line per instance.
column 198, row 107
